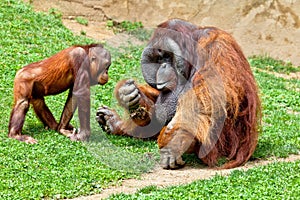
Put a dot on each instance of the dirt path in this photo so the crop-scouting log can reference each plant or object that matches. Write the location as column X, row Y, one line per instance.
column 269, row 27
column 164, row 178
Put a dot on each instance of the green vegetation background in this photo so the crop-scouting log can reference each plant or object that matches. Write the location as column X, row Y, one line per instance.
column 56, row 168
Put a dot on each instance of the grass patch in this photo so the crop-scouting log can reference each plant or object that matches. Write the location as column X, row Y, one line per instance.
column 58, row 168
column 133, row 28
column 82, row 21
column 281, row 106
column 124, row 26
column 55, row 167
column 270, row 64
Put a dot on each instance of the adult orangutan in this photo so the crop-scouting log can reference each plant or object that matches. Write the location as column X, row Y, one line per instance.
column 75, row 68
column 201, row 97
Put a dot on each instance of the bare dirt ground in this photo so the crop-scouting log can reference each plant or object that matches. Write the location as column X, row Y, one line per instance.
column 261, row 27
column 270, row 27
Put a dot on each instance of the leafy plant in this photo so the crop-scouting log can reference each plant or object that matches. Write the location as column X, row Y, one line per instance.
column 273, row 65
column 82, row 21
column 124, row 25
column 56, row 13
column 130, row 26
column 133, row 28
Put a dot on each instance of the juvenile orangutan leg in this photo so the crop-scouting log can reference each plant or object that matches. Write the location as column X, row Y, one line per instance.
column 64, row 126
column 43, row 113
column 17, row 119
column 170, row 153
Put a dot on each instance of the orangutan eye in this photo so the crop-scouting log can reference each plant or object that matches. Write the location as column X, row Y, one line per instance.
column 108, row 65
column 93, row 58
column 165, row 58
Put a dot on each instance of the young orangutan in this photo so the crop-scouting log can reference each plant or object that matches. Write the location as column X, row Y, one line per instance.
column 75, row 68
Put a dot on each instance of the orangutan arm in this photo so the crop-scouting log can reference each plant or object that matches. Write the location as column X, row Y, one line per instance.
column 139, row 102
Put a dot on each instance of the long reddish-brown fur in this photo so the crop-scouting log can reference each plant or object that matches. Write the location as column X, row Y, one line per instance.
column 218, row 116
column 239, row 135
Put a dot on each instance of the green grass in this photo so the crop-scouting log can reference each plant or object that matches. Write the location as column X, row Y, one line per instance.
column 55, row 167
column 124, row 26
column 82, row 21
column 58, row 168
column 135, row 29
column 281, row 107
column 269, row 64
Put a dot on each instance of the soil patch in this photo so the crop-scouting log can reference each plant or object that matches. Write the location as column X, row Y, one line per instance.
column 269, row 27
